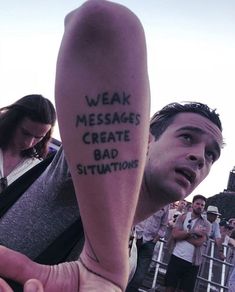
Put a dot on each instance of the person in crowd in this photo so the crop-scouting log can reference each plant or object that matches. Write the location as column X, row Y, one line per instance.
column 148, row 233
column 188, row 207
column 102, row 100
column 231, row 222
column 225, row 230
column 25, row 130
column 174, row 213
column 212, row 214
column 188, row 236
column 233, row 234
column 231, row 278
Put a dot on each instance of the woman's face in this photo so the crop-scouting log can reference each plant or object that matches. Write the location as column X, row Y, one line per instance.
column 28, row 133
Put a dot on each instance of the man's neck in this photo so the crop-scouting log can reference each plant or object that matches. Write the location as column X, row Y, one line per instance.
column 194, row 215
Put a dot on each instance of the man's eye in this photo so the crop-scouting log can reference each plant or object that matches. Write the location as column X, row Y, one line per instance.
column 187, row 137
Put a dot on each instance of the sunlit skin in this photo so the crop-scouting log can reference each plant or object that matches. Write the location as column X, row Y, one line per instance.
column 178, row 161
column 28, row 134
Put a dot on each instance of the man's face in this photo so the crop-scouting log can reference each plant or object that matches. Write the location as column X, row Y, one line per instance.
column 181, row 205
column 198, row 206
column 28, row 133
column 182, row 157
column 211, row 217
column 232, row 222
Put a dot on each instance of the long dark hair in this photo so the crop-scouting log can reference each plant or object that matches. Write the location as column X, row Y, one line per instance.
column 35, row 107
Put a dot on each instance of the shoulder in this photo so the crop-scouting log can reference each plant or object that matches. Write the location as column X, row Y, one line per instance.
column 207, row 224
column 180, row 220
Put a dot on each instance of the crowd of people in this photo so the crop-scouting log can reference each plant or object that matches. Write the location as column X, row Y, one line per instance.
column 113, row 171
column 187, row 234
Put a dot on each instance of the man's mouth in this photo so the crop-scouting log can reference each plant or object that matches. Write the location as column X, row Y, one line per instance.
column 188, row 173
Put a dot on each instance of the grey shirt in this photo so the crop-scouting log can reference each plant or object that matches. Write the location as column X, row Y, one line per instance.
column 153, row 226
column 43, row 212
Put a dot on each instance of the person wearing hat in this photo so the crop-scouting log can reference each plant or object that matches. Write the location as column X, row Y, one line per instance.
column 212, row 214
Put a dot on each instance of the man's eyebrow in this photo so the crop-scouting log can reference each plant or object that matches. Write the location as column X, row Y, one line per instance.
column 200, row 131
column 190, row 128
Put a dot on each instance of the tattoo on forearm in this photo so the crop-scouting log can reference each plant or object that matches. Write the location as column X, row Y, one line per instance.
column 105, row 98
column 106, row 168
column 109, row 136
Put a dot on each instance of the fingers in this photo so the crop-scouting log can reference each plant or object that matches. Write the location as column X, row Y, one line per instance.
column 4, row 287
column 33, row 285
column 17, row 267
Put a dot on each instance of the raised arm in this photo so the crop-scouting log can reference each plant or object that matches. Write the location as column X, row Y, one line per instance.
column 102, row 100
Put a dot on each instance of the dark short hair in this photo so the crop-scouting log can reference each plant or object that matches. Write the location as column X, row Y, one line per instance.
column 226, row 224
column 199, row 197
column 163, row 118
column 35, row 107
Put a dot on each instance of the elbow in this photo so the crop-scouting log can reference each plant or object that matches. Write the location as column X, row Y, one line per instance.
column 99, row 22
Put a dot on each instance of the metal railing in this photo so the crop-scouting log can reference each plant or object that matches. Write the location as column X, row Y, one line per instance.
column 213, row 273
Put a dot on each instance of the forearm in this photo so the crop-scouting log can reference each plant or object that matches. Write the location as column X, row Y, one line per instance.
column 102, row 99
column 180, row 234
column 188, row 236
column 195, row 241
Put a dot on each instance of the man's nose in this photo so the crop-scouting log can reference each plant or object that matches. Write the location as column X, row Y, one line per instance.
column 197, row 156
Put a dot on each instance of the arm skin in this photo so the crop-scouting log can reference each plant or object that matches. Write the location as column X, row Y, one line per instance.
column 103, row 51
column 179, row 234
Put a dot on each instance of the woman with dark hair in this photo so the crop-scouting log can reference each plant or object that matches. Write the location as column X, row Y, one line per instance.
column 25, row 130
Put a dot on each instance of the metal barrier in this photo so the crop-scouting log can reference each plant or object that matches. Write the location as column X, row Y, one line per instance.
column 213, row 273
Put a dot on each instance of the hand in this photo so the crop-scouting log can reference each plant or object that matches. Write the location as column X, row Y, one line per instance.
column 156, row 239
column 15, row 266
column 221, row 255
column 70, row 276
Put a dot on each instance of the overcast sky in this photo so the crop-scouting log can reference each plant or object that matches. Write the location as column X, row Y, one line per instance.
column 191, row 56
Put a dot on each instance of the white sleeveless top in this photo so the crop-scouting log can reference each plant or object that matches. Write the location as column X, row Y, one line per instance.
column 19, row 170
column 183, row 249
